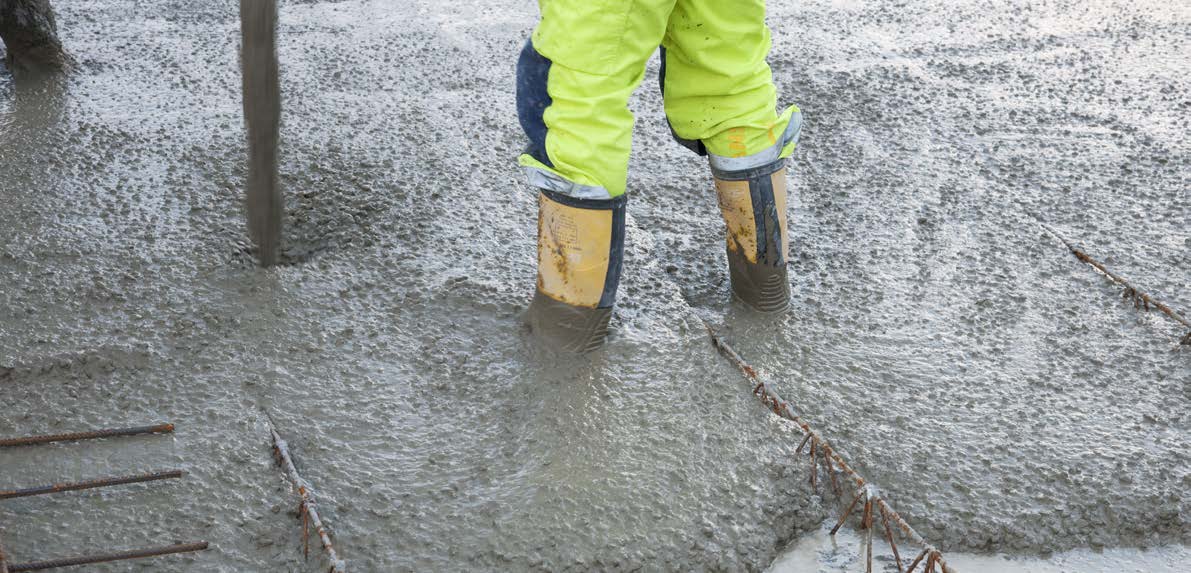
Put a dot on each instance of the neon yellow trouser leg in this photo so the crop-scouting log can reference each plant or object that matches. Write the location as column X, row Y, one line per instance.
column 717, row 87
column 586, row 57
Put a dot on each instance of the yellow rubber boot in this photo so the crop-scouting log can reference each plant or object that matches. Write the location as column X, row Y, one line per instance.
column 753, row 203
column 580, row 255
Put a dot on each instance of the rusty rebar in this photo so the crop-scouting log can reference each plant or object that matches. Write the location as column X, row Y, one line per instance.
column 867, row 523
column 800, row 446
column 91, row 435
column 305, row 517
column 107, row 557
column 914, row 565
column 889, row 536
column 1141, row 300
column 306, row 508
column 848, row 511
column 814, row 464
column 90, row 484
column 770, row 398
column 831, row 470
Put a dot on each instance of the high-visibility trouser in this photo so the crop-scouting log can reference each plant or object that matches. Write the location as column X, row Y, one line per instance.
column 585, row 58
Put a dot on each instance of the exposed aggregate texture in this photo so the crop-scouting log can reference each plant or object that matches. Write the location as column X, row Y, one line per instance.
column 997, row 389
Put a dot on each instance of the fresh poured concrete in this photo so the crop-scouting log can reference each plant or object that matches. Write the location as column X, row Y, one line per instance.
column 998, row 390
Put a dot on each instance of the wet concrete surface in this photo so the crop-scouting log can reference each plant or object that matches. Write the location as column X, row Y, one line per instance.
column 845, row 553
column 996, row 389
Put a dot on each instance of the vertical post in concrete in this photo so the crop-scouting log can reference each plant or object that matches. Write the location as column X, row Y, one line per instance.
column 262, row 115
column 30, row 35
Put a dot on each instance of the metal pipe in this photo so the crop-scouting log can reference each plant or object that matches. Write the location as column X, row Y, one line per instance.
column 91, row 435
column 89, row 484
column 104, row 558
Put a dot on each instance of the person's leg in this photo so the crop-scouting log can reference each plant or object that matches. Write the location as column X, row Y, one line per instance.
column 721, row 102
column 574, row 79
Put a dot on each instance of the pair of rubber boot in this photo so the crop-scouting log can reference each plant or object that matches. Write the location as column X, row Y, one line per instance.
column 581, row 253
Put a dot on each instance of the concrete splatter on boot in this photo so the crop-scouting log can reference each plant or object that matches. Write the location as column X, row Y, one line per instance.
column 753, row 203
column 580, row 254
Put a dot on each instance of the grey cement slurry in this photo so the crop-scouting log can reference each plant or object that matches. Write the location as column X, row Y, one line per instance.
column 819, row 552
column 961, row 358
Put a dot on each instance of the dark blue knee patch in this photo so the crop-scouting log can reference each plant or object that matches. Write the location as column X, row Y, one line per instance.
column 533, row 69
column 691, row 144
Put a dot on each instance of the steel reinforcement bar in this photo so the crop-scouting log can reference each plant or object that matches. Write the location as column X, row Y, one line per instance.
column 91, row 435
column 89, row 484
column 306, row 507
column 103, row 558
column 833, row 464
column 1140, row 299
